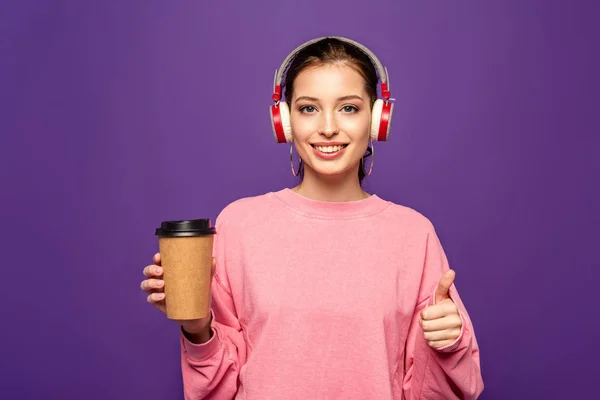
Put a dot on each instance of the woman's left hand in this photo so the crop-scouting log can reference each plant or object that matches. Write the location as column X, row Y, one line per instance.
column 441, row 322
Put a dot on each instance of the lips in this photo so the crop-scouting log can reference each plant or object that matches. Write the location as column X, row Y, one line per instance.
column 329, row 151
column 329, row 148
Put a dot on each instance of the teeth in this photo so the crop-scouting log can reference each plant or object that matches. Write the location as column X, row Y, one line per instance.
column 329, row 149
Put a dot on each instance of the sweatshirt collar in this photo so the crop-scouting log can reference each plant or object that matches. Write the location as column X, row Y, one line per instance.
column 331, row 209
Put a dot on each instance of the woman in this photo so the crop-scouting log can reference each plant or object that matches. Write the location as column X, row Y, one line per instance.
column 325, row 291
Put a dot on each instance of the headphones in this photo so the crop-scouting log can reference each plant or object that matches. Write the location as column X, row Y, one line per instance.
column 381, row 116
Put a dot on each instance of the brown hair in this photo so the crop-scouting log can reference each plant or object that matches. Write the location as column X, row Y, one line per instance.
column 333, row 51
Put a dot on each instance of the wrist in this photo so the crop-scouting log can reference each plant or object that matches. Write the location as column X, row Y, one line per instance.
column 200, row 337
column 198, row 333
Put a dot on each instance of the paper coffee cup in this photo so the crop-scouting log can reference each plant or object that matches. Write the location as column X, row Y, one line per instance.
column 186, row 257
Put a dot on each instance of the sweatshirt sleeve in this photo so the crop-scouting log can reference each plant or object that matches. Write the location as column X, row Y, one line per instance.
column 210, row 370
column 452, row 372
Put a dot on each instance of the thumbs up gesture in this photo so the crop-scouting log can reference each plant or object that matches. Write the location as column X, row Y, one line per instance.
column 441, row 322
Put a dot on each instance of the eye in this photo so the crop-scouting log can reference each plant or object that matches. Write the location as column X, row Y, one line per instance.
column 307, row 109
column 350, row 109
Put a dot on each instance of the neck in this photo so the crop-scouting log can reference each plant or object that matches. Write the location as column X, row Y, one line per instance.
column 337, row 188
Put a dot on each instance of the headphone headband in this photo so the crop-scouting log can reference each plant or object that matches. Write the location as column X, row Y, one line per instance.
column 381, row 70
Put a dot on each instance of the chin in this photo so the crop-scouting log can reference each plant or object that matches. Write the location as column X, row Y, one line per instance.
column 332, row 171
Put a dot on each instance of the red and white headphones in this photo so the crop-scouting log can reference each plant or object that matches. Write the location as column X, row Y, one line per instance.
column 381, row 116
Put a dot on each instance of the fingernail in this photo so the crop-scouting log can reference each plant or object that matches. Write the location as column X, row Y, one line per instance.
column 159, row 283
column 157, row 270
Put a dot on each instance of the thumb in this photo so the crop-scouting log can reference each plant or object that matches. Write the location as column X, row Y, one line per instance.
column 443, row 289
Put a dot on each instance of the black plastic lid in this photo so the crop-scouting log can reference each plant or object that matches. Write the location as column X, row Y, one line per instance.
column 194, row 227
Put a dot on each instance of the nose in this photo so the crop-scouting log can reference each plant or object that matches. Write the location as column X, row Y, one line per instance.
column 329, row 126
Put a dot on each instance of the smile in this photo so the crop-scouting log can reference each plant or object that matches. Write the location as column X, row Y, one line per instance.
column 329, row 152
column 329, row 149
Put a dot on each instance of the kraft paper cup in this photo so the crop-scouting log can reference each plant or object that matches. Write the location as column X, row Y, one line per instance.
column 186, row 257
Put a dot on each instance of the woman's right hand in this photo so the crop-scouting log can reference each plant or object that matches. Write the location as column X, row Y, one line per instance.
column 197, row 330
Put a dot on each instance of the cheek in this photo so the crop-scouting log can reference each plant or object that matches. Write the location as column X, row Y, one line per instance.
column 303, row 127
column 357, row 127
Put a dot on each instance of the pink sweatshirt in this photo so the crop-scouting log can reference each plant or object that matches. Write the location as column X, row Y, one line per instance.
column 321, row 300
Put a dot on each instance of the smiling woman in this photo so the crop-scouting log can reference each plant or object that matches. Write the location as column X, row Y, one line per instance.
column 326, row 291
column 328, row 69
column 330, row 126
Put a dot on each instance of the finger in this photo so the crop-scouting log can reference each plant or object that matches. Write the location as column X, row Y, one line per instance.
column 439, row 310
column 156, row 259
column 152, row 284
column 446, row 334
column 438, row 344
column 153, row 271
column 154, row 298
column 440, row 324
column 443, row 288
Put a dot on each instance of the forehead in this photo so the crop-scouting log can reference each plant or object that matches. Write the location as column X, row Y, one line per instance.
column 329, row 80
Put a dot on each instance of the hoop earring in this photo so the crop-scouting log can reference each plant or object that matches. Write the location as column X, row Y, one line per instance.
column 371, row 152
column 292, row 161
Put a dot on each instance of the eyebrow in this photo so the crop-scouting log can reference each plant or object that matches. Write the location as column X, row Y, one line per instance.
column 349, row 97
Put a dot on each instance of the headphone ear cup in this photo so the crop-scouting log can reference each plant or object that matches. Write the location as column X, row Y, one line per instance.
column 376, row 119
column 280, row 122
column 285, row 121
column 381, row 120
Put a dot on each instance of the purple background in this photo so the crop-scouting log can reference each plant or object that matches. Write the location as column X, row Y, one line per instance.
column 117, row 115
